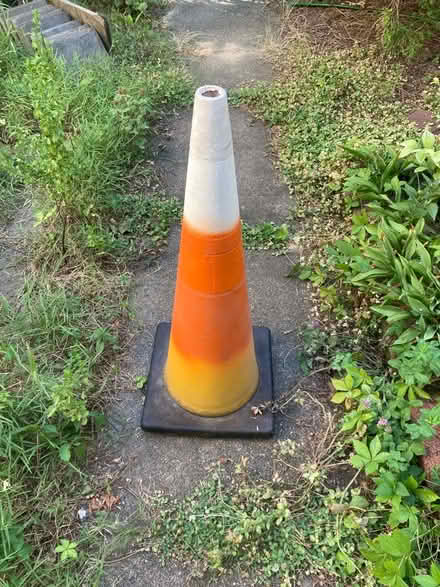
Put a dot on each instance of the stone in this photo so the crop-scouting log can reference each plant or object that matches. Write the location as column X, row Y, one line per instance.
column 26, row 8
column 48, row 19
column 61, row 28
column 82, row 41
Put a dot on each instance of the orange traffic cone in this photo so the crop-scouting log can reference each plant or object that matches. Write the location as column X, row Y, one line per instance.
column 210, row 367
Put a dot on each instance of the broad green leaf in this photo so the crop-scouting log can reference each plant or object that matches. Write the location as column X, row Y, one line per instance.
column 425, row 257
column 435, row 572
column 358, row 462
column 375, row 446
column 361, row 449
column 371, row 273
column 347, row 249
column 339, row 397
column 339, row 384
column 400, row 228
column 391, row 312
column 426, row 581
column 348, row 380
column 408, row 148
column 417, row 306
column 426, row 495
column 357, row 501
column 401, row 489
column 397, row 544
column 64, row 452
column 407, row 336
column 428, row 139
column 411, row 483
column 384, row 490
column 371, row 467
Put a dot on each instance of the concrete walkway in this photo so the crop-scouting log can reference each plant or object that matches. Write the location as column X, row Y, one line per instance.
column 227, row 50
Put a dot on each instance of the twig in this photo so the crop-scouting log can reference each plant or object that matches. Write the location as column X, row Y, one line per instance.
column 129, row 555
column 325, row 5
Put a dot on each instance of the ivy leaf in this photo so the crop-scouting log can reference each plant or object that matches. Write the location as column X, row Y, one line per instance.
column 339, row 397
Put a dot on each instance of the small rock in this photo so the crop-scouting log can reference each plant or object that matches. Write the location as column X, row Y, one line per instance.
column 83, row 514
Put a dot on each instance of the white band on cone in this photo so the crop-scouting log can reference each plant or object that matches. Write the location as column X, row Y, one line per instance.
column 211, row 198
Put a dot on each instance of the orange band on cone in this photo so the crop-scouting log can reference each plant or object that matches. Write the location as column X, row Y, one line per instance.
column 211, row 367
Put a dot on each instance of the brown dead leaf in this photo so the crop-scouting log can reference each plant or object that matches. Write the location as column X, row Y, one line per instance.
column 104, row 502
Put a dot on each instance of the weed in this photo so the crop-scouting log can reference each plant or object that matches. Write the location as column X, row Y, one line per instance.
column 266, row 235
column 264, row 527
column 55, row 351
column 79, row 133
column 406, row 33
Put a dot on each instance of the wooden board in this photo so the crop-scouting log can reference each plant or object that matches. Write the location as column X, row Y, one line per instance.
column 85, row 16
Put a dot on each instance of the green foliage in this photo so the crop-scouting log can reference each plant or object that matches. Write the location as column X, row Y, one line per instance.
column 321, row 102
column 52, row 348
column 392, row 250
column 266, row 235
column 391, row 443
column 76, row 139
column 79, row 131
column 432, row 95
column 257, row 527
column 67, row 549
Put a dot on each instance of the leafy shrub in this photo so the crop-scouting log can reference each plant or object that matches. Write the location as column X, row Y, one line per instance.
column 80, row 131
column 392, row 251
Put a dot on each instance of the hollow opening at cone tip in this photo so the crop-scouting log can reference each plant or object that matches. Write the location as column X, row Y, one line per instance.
column 211, row 92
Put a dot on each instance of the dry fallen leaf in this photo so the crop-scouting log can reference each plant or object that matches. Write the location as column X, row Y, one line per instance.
column 103, row 502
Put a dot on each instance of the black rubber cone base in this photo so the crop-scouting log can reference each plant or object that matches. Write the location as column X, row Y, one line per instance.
column 162, row 414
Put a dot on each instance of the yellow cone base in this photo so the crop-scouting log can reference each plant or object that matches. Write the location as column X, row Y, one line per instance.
column 163, row 414
column 223, row 388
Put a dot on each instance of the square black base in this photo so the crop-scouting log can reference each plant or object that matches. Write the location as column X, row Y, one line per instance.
column 162, row 413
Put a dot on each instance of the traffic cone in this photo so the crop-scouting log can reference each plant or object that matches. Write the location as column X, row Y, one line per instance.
column 210, row 364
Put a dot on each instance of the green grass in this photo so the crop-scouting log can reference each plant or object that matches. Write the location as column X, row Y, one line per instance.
column 56, row 353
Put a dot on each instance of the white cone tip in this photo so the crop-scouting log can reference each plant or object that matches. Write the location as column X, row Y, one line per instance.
column 211, row 199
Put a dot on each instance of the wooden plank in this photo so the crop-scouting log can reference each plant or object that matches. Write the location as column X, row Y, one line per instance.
column 86, row 16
